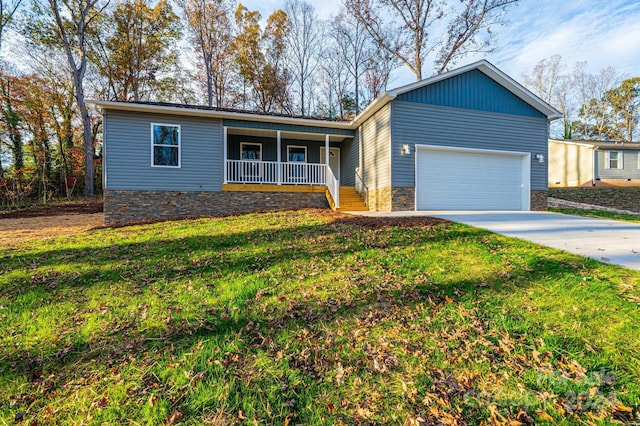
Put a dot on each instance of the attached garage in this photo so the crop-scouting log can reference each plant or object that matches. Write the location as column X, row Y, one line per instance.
column 452, row 178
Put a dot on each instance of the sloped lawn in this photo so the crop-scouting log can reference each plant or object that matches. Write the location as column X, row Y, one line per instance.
column 308, row 318
column 622, row 198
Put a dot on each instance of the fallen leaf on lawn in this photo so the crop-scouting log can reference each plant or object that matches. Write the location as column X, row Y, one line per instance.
column 621, row 407
column 196, row 379
column 290, row 403
column 365, row 413
column 174, row 417
column 544, row 416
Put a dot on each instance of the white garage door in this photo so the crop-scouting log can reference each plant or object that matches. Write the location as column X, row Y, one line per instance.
column 459, row 179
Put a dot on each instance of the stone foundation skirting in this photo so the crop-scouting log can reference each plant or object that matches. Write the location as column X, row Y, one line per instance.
column 391, row 199
column 403, row 199
column 379, row 200
column 127, row 206
column 539, row 201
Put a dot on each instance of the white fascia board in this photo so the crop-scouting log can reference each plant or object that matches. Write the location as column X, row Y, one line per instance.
column 372, row 108
column 567, row 142
column 193, row 112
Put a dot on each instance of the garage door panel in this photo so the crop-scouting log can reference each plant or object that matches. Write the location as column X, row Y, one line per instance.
column 463, row 180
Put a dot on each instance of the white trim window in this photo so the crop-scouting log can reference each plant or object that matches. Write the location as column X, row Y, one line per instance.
column 250, row 151
column 296, row 154
column 165, row 145
column 613, row 160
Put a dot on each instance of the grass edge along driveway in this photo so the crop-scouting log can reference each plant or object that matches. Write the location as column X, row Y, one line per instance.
column 313, row 318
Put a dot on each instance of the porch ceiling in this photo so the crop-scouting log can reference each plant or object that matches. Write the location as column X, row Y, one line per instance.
column 320, row 137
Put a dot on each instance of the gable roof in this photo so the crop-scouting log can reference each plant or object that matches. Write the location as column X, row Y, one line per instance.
column 212, row 112
column 483, row 66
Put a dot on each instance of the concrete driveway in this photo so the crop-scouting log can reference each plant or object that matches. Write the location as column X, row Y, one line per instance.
column 608, row 241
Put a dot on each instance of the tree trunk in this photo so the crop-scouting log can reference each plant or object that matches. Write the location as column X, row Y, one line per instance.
column 88, row 138
column 357, row 86
column 302, row 94
column 209, row 88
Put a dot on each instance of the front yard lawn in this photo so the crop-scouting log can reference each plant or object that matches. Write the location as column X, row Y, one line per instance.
column 312, row 318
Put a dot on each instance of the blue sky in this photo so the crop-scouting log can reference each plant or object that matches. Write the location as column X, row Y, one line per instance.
column 603, row 33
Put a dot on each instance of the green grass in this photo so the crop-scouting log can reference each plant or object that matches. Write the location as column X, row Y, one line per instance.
column 294, row 318
column 597, row 213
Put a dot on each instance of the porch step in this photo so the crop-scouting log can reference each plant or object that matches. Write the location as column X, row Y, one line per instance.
column 350, row 200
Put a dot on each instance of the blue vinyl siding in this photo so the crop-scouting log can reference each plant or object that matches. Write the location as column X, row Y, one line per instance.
column 471, row 90
column 287, row 127
column 269, row 147
column 630, row 165
column 414, row 123
column 127, row 153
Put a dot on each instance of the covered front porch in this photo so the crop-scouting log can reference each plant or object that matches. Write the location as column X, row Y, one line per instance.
column 293, row 159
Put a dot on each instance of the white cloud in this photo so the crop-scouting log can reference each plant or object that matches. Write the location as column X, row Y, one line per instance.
column 603, row 36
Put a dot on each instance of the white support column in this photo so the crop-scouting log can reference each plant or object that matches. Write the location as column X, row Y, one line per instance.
column 224, row 154
column 279, row 157
column 326, row 151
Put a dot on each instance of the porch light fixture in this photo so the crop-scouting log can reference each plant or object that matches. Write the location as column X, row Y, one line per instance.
column 406, row 150
column 540, row 158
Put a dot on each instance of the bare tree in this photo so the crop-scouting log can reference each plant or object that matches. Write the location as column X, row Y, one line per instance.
column 333, row 80
column 378, row 74
column 552, row 84
column 71, row 21
column 595, row 110
column 564, row 101
column 303, row 46
column 404, row 28
column 210, row 27
column 7, row 10
column 355, row 49
column 545, row 77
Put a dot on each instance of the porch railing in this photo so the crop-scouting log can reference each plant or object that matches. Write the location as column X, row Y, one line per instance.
column 251, row 171
column 333, row 185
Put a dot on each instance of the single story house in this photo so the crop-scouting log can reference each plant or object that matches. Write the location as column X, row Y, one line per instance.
column 470, row 138
column 574, row 163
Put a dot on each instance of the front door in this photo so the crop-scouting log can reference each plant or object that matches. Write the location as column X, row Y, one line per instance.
column 334, row 160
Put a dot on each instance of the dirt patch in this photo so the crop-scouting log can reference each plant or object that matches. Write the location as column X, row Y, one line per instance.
column 89, row 206
column 17, row 230
column 383, row 222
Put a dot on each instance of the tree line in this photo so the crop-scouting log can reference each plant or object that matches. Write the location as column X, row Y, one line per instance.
column 60, row 53
column 602, row 106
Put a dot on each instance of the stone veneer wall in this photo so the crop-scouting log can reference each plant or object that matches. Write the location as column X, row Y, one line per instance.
column 126, row 206
column 539, row 200
column 403, row 199
column 379, row 200
column 391, row 199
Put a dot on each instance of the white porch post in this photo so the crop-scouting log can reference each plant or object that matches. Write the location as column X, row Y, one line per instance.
column 224, row 154
column 279, row 156
column 326, row 155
